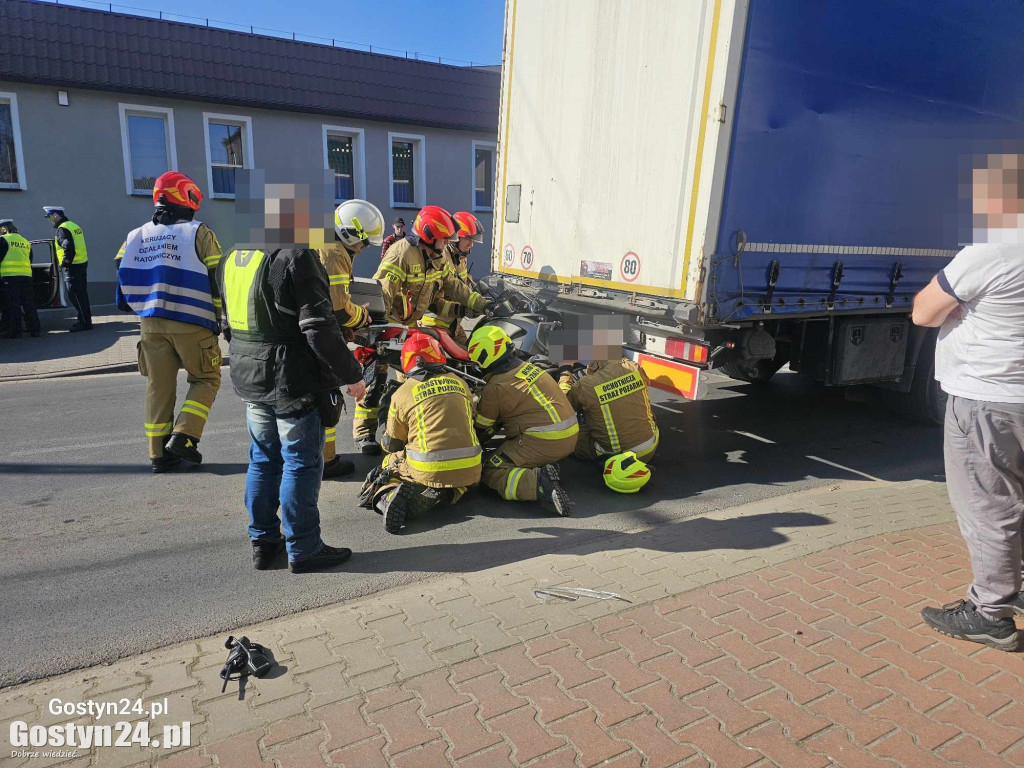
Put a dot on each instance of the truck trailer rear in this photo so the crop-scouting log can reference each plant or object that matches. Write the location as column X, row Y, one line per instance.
column 753, row 183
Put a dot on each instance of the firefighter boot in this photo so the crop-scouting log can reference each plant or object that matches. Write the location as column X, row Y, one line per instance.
column 550, row 493
column 408, row 501
column 184, row 447
column 166, row 462
column 338, row 467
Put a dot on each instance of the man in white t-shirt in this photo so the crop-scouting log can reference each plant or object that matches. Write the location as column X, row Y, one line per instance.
column 977, row 302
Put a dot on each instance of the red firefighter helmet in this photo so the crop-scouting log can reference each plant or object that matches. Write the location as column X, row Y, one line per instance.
column 178, row 189
column 434, row 226
column 468, row 226
column 421, row 347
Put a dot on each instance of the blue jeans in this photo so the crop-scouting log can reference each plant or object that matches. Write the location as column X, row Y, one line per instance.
column 285, row 469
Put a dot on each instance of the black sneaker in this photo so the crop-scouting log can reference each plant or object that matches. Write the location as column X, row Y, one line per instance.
column 164, row 464
column 264, row 553
column 338, row 467
column 184, row 447
column 962, row 621
column 550, row 493
column 328, row 557
column 368, row 446
column 76, row 327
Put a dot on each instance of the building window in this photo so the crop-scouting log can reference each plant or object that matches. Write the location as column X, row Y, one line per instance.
column 12, row 164
column 483, row 176
column 228, row 148
column 408, row 170
column 343, row 154
column 147, row 141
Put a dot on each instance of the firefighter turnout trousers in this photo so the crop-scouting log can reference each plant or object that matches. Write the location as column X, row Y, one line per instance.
column 166, row 346
column 512, row 469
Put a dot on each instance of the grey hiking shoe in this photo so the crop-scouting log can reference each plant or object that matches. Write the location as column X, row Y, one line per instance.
column 550, row 493
column 962, row 621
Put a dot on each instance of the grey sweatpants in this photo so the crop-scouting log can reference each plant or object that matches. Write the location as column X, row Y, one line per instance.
column 984, row 451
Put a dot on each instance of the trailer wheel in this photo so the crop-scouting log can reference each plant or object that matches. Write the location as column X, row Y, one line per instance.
column 925, row 402
column 759, row 372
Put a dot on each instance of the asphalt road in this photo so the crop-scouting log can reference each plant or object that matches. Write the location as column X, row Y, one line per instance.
column 100, row 559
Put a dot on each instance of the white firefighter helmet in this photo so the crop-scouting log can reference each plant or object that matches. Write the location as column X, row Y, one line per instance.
column 359, row 221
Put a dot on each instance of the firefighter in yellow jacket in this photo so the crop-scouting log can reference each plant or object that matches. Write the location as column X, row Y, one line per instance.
column 167, row 275
column 433, row 451
column 357, row 223
column 413, row 279
column 456, row 257
column 615, row 406
column 539, row 425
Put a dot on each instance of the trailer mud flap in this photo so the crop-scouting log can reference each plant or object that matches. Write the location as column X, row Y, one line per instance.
column 669, row 375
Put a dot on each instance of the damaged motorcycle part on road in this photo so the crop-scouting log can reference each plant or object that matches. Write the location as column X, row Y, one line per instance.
column 575, row 593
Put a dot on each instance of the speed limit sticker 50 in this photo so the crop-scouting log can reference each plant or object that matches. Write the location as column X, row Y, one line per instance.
column 629, row 267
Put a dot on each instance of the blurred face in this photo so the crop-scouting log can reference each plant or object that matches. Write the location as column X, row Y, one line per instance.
column 587, row 338
column 54, row 218
column 399, row 229
column 997, row 193
column 465, row 244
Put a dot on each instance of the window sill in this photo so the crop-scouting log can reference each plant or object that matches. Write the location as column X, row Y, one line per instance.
column 222, row 196
column 11, row 185
column 141, row 193
column 413, row 206
column 480, row 209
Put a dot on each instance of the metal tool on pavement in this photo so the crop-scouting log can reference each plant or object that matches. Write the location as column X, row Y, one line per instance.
column 574, row 593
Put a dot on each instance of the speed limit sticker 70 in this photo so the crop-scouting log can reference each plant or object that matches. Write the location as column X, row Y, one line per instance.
column 508, row 255
column 629, row 267
column 526, row 257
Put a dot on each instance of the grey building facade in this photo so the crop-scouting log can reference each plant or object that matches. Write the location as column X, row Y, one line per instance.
column 95, row 105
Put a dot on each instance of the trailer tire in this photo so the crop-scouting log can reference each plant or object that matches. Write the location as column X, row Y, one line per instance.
column 925, row 402
column 759, row 372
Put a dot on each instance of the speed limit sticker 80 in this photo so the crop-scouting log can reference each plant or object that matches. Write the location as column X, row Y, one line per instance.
column 629, row 267
column 508, row 255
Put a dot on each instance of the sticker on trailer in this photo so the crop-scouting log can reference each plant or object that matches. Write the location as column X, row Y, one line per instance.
column 629, row 267
column 600, row 270
column 508, row 255
column 670, row 376
column 526, row 257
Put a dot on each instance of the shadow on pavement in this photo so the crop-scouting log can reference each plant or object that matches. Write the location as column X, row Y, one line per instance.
column 692, row 535
column 213, row 468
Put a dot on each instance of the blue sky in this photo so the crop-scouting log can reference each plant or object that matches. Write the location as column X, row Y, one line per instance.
column 467, row 30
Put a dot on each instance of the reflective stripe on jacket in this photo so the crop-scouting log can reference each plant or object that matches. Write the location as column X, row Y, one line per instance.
column 162, row 275
column 433, row 420
column 526, row 401
column 613, row 398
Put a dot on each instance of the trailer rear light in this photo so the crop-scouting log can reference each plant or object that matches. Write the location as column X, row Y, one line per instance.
column 685, row 350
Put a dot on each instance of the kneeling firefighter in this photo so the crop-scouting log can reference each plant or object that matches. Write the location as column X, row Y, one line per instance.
column 539, row 425
column 612, row 398
column 433, row 452
column 357, row 223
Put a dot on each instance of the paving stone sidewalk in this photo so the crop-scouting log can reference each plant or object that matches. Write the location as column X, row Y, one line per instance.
column 784, row 633
column 109, row 347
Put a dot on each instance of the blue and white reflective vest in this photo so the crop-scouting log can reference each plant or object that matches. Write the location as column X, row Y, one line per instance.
column 161, row 275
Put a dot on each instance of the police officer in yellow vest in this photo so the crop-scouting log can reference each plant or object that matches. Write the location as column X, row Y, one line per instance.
column 357, row 223
column 434, row 454
column 539, row 425
column 74, row 261
column 167, row 275
column 16, row 275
